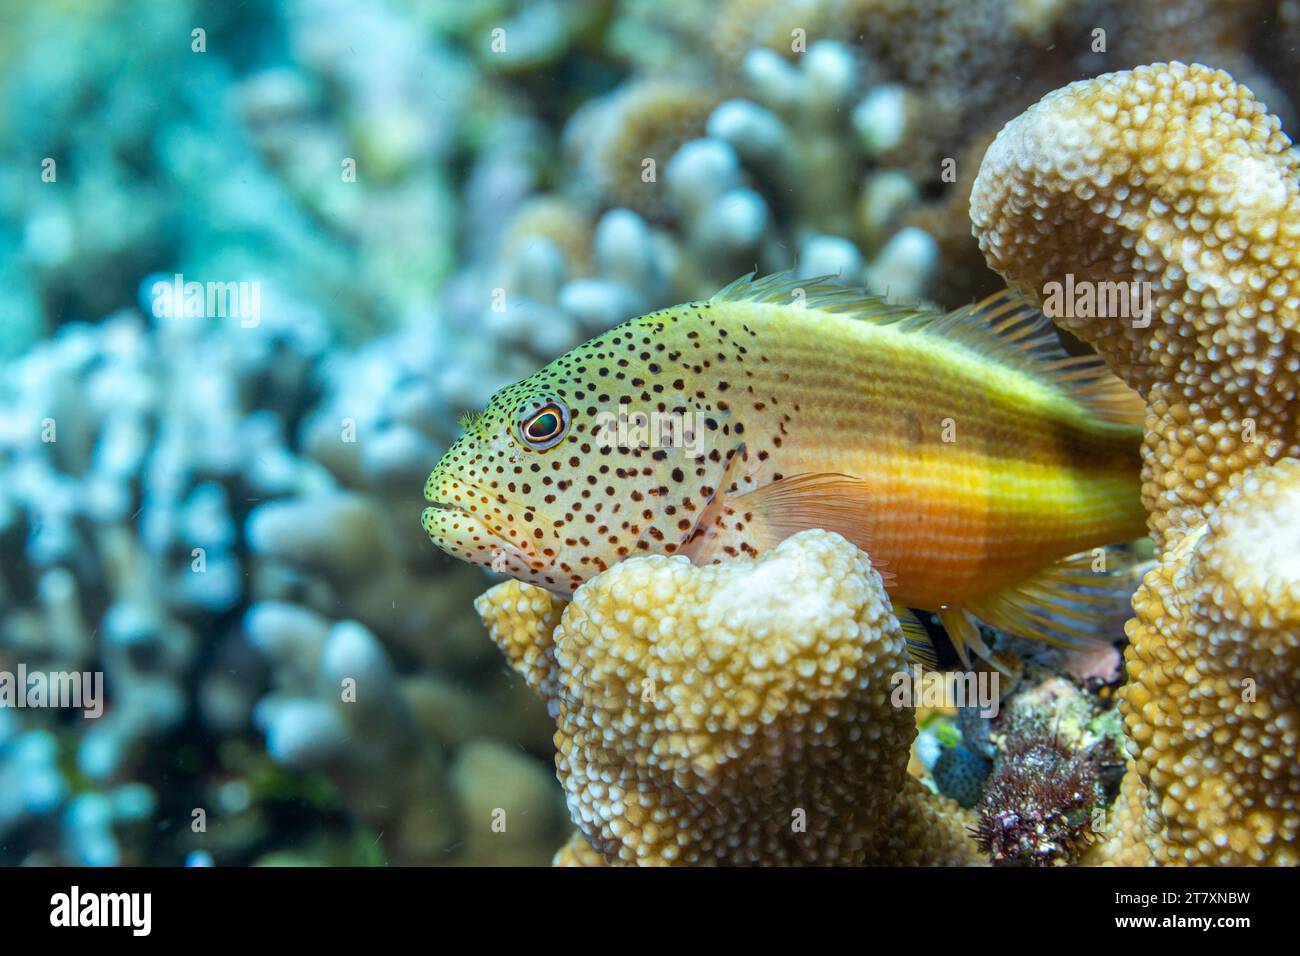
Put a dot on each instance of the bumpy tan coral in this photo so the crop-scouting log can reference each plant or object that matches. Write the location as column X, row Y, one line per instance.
column 1127, row 834
column 1211, row 706
column 578, row 852
column 1171, row 175
column 555, row 220
column 522, row 621
column 643, row 120
column 1174, row 176
column 737, row 713
column 1226, row 34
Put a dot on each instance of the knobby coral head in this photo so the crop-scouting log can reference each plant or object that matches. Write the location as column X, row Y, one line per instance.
column 1212, row 707
column 735, row 713
column 1176, row 178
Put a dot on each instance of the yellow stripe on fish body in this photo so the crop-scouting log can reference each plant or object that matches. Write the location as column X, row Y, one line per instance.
column 965, row 452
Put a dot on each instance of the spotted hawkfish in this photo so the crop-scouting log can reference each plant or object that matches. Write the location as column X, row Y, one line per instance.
column 981, row 468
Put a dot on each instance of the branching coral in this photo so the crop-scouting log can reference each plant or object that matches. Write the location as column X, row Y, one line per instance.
column 744, row 25
column 1172, row 176
column 736, row 713
column 643, row 121
column 386, row 166
column 964, row 277
column 946, row 52
column 1175, row 178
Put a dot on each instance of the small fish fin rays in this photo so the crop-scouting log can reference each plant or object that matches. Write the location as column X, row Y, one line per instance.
column 916, row 638
column 1005, row 327
column 766, row 516
column 1072, row 603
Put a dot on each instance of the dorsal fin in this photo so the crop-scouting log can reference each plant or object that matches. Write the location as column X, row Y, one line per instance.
column 824, row 294
column 1011, row 330
column 1005, row 327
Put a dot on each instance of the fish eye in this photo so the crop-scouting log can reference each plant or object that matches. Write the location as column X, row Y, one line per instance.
column 545, row 427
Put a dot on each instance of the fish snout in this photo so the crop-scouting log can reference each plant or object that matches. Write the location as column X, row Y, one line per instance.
column 483, row 527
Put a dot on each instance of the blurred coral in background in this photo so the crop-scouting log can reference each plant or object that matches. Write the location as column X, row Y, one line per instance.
column 221, row 512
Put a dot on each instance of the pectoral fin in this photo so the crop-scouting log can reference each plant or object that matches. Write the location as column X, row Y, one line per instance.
column 964, row 633
column 749, row 523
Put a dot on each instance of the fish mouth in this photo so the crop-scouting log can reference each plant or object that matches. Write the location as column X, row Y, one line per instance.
column 481, row 525
column 464, row 533
column 445, row 509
